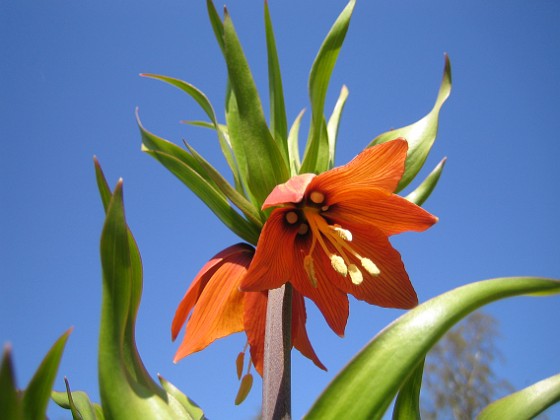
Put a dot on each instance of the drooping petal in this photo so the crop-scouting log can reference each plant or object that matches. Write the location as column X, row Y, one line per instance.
column 219, row 308
column 254, row 321
column 390, row 213
column 300, row 338
column 198, row 285
column 292, row 191
column 380, row 166
column 275, row 255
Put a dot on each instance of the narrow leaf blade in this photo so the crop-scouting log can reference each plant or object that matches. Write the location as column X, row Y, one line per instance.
column 420, row 135
column 425, row 189
column 525, row 404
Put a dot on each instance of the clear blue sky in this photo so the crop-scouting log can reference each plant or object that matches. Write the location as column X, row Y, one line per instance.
column 68, row 88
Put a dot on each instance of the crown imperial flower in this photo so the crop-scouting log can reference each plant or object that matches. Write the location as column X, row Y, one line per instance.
column 328, row 235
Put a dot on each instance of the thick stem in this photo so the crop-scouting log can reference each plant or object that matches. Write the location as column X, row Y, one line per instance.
column 277, row 397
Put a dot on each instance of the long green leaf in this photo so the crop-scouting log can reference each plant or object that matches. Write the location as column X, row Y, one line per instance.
column 424, row 190
column 205, row 104
column 407, row 405
column 278, row 121
column 193, row 411
column 262, row 163
column 334, row 122
column 194, row 175
column 217, row 24
column 368, row 384
column 10, row 402
column 316, row 157
column 293, row 145
column 420, row 135
column 525, row 404
column 231, row 193
column 38, row 392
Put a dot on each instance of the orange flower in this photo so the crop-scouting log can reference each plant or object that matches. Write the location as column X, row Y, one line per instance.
column 329, row 236
column 219, row 309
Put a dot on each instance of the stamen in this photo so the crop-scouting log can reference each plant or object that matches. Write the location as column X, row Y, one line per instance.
column 337, row 262
column 317, row 197
column 310, row 269
column 370, row 266
column 325, row 208
column 291, row 217
column 355, row 274
column 343, row 233
column 303, row 229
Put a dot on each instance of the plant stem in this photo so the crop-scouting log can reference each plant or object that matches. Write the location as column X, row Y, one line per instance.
column 277, row 397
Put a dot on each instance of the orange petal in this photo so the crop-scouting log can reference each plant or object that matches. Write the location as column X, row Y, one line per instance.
column 390, row 213
column 274, row 256
column 392, row 287
column 219, row 309
column 300, row 340
column 331, row 301
column 200, row 282
column 380, row 166
column 254, row 321
column 291, row 191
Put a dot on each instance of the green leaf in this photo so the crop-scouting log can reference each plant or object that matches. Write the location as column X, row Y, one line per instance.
column 375, row 375
column 316, row 156
column 10, row 401
column 407, row 405
column 334, row 121
column 126, row 388
column 293, row 145
column 278, row 123
column 78, row 403
column 194, row 175
column 525, row 404
column 216, row 22
column 262, row 159
column 420, row 135
column 231, row 193
column 36, row 395
column 192, row 410
column 205, row 104
column 424, row 190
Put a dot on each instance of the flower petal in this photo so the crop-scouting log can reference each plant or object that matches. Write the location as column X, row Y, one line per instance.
column 392, row 287
column 390, row 213
column 380, row 166
column 291, row 191
column 300, row 339
column 219, row 307
column 254, row 321
column 275, row 255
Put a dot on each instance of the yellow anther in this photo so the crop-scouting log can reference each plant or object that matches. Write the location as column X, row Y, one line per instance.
column 339, row 265
column 291, row 217
column 355, row 274
column 343, row 233
column 303, row 229
column 324, row 208
column 310, row 269
column 370, row 266
column 317, row 197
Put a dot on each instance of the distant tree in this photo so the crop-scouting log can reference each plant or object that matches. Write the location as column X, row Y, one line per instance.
column 459, row 379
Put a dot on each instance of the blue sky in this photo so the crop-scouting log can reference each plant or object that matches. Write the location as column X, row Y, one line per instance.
column 69, row 85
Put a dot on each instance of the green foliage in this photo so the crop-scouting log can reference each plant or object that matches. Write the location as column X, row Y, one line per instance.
column 30, row 403
column 422, row 134
column 126, row 388
column 525, row 404
column 366, row 387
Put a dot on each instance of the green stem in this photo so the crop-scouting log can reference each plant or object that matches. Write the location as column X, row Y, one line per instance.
column 277, row 399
